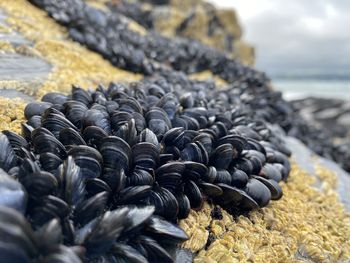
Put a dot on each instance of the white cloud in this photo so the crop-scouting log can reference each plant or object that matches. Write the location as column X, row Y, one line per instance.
column 296, row 34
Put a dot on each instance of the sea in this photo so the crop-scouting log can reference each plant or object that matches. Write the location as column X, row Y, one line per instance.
column 300, row 88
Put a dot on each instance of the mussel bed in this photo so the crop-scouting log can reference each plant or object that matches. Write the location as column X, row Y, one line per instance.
column 104, row 175
column 108, row 33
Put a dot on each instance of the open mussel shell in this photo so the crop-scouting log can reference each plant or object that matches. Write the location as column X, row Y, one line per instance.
column 206, row 140
column 99, row 234
column 127, row 132
column 26, row 131
column 129, row 104
column 237, row 142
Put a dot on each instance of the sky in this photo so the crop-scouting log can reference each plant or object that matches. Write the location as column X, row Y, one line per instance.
column 299, row 35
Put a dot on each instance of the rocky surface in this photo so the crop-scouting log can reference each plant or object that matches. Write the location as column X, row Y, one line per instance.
column 332, row 117
column 193, row 19
column 308, row 224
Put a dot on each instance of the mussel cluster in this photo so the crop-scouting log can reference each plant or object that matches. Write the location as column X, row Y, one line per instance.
column 108, row 34
column 104, row 175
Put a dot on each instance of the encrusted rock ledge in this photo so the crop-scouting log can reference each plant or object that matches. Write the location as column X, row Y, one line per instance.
column 309, row 223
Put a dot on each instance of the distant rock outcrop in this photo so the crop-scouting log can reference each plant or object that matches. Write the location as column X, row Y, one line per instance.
column 195, row 19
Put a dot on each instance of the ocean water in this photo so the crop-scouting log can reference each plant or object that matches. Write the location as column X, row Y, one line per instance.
column 301, row 88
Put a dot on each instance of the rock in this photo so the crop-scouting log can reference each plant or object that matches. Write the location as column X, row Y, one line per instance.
column 200, row 21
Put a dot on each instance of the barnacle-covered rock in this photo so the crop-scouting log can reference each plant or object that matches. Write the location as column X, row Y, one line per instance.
column 75, row 199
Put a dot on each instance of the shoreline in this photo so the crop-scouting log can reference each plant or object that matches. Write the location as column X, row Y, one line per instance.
column 300, row 88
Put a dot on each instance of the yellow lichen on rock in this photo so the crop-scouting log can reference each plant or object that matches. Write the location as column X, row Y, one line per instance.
column 307, row 224
column 6, row 47
column 72, row 63
column 11, row 114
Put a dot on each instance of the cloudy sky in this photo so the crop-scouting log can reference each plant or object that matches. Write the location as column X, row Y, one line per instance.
column 296, row 35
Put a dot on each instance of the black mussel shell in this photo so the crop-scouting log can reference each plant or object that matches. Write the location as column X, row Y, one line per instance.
column 258, row 191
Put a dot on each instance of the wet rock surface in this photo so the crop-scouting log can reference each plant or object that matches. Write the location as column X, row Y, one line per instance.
column 18, row 69
column 23, row 68
column 332, row 117
column 6, row 34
